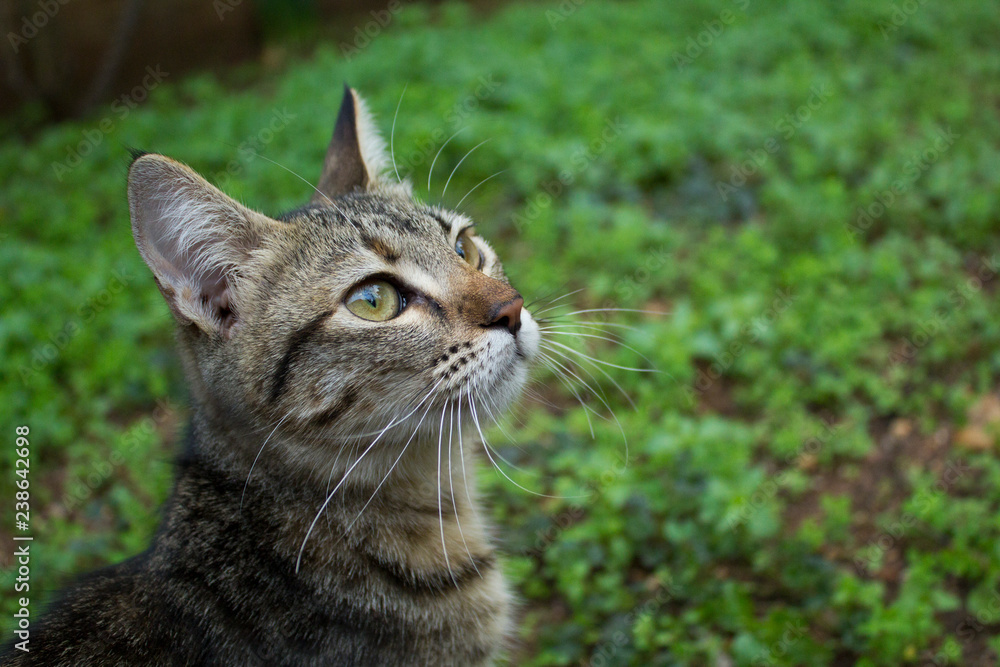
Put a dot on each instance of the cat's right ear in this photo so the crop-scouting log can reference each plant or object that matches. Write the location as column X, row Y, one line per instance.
column 355, row 158
column 195, row 239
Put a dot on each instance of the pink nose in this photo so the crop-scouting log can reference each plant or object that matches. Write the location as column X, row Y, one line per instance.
column 507, row 315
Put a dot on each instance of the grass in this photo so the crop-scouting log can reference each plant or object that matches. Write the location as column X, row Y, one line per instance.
column 809, row 191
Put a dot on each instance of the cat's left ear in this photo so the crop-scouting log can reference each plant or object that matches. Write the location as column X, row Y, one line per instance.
column 199, row 243
column 356, row 156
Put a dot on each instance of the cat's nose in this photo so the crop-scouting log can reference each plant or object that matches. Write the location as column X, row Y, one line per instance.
column 507, row 315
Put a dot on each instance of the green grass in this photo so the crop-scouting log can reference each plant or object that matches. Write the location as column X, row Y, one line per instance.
column 813, row 475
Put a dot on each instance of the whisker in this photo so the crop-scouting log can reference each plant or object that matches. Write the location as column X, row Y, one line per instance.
column 461, row 453
column 445, row 191
column 333, row 469
column 392, row 134
column 475, row 418
column 451, row 488
column 544, row 298
column 430, row 172
column 391, row 468
column 599, row 397
column 553, row 305
column 459, row 204
column 615, row 310
column 444, row 547
column 572, row 331
column 605, row 363
column 493, row 418
column 591, row 375
column 579, row 399
column 298, row 560
column 562, row 321
column 252, row 465
column 322, row 194
column 536, row 396
column 394, row 422
column 615, row 340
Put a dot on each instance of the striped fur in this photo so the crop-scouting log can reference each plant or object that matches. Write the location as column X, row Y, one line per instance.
column 255, row 561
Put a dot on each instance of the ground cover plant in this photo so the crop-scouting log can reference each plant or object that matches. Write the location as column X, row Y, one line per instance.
column 808, row 192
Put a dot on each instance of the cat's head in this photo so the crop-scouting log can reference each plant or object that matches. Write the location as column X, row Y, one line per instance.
column 363, row 307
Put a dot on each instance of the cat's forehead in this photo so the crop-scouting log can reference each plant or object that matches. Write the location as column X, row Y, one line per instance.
column 368, row 218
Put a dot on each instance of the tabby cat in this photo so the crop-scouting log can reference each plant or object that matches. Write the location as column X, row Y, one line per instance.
column 340, row 359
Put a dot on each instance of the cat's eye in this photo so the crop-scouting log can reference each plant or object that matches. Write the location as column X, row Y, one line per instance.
column 375, row 300
column 468, row 250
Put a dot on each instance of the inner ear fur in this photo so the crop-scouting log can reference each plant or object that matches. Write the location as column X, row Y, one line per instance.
column 196, row 240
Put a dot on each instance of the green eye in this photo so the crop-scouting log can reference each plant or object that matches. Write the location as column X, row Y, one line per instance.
column 467, row 250
column 375, row 300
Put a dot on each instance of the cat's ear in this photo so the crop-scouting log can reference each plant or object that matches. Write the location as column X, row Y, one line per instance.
column 196, row 240
column 356, row 156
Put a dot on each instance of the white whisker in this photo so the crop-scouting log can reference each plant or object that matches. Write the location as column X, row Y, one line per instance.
column 322, row 194
column 591, row 375
column 573, row 330
column 451, row 487
column 562, row 376
column 605, row 363
column 461, row 454
column 552, row 305
column 599, row 397
column 252, row 465
column 444, row 547
column 298, row 560
column 392, row 134
column 545, row 300
column 459, row 204
column 475, row 419
column 563, row 321
column 391, row 468
column 430, row 172
column 445, row 191
column 614, row 310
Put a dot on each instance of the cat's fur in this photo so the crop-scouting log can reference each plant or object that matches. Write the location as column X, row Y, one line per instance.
column 272, row 355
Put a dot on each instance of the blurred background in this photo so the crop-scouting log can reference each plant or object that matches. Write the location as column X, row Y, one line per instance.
column 807, row 193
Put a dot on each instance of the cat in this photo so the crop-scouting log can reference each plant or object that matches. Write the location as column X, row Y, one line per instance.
column 340, row 359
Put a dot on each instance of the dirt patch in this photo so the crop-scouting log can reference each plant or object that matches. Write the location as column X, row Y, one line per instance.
column 878, row 486
column 714, row 392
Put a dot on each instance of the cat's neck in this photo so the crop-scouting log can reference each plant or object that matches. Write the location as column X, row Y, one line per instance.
column 422, row 517
column 360, row 561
